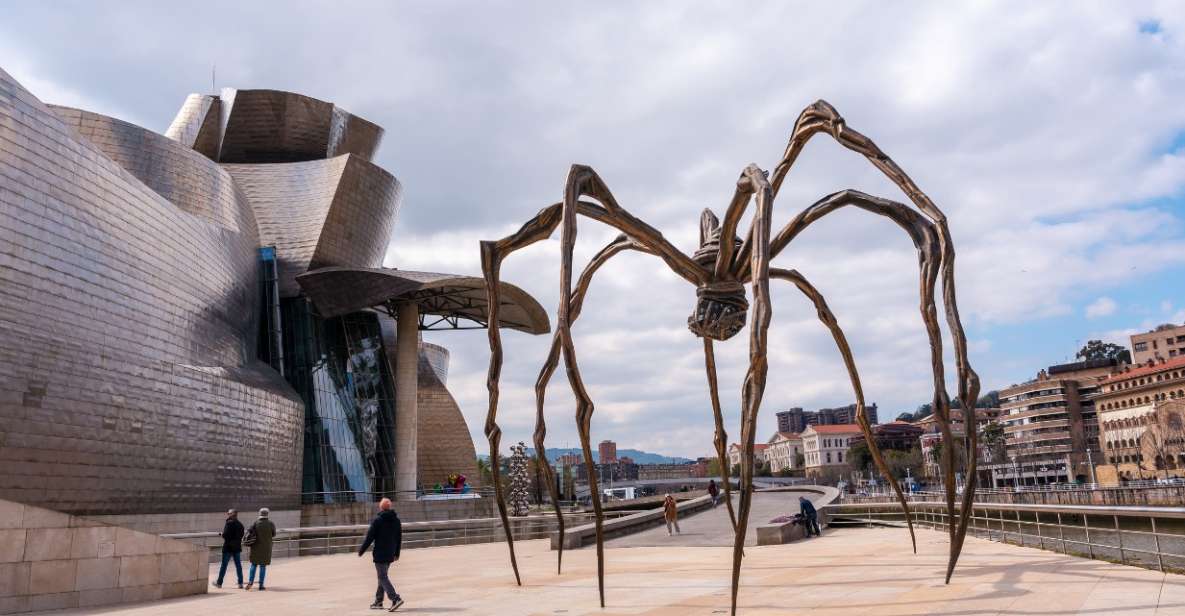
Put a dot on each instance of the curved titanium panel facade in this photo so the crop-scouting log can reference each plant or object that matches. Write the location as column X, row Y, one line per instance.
column 128, row 379
column 198, row 125
column 339, row 211
column 271, row 126
column 187, row 179
column 449, row 447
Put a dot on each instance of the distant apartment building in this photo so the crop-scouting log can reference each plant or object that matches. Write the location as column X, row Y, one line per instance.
column 569, row 459
column 846, row 415
column 614, row 471
column 825, row 447
column 1140, row 412
column 932, row 435
column 1165, row 342
column 783, row 451
column 607, row 450
column 795, row 420
column 1050, row 425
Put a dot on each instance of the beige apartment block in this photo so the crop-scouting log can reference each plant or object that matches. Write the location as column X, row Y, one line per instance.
column 1050, row 425
column 1165, row 342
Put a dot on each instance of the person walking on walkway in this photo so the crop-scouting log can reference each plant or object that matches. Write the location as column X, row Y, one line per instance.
column 259, row 539
column 807, row 509
column 386, row 533
column 670, row 511
column 714, row 492
column 232, row 547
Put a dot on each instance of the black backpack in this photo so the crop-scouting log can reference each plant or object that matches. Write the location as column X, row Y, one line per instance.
column 252, row 536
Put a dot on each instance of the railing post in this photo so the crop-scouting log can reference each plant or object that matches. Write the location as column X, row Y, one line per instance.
column 1156, row 539
column 1020, row 533
column 1119, row 534
column 1040, row 535
column 1086, row 525
column 1061, row 536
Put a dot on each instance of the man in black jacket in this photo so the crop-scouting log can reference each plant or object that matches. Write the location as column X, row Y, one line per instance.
column 232, row 547
column 386, row 533
column 807, row 508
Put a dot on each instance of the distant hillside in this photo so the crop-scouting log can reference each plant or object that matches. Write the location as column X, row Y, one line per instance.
column 639, row 457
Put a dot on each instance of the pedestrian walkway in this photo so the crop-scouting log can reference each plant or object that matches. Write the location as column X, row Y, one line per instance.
column 712, row 527
column 847, row 571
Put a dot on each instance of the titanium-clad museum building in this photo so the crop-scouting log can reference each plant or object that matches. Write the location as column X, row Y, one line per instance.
column 200, row 319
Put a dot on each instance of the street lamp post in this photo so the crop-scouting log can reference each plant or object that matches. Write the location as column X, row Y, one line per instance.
column 1090, row 465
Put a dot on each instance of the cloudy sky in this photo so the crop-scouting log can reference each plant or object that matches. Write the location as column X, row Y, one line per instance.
column 1052, row 135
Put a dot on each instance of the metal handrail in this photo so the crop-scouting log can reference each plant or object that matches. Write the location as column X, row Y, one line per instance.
column 1012, row 528
column 317, row 540
column 1123, row 511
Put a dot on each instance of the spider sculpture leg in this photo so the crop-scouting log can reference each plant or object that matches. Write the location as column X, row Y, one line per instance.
column 582, row 181
column 822, row 117
column 752, row 184
column 616, row 246
column 721, row 437
column 828, row 319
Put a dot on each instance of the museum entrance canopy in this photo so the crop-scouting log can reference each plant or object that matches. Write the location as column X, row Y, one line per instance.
column 445, row 301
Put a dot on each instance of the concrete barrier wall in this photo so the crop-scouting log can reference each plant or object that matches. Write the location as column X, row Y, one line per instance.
column 51, row 560
column 626, row 525
column 787, row 532
column 409, row 511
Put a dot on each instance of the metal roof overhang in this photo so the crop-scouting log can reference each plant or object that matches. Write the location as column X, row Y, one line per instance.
column 446, row 301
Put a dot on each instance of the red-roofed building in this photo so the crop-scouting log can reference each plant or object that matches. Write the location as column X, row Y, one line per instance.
column 825, row 447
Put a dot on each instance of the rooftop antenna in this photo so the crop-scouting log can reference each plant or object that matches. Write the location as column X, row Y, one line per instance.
column 213, row 72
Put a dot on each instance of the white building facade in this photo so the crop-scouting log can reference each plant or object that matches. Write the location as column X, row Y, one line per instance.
column 827, row 446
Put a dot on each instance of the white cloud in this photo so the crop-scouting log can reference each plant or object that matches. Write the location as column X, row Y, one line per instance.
column 1043, row 130
column 1101, row 307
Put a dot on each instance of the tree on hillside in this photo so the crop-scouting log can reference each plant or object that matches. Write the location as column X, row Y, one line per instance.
column 905, row 417
column 1097, row 349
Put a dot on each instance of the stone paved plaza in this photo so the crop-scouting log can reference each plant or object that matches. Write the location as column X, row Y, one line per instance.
column 848, row 571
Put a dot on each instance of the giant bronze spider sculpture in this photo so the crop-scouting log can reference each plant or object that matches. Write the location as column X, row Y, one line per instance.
column 720, row 269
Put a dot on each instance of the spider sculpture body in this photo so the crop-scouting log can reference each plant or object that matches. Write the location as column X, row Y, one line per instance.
column 720, row 269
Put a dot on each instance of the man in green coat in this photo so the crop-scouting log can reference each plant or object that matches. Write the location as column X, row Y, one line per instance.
column 259, row 539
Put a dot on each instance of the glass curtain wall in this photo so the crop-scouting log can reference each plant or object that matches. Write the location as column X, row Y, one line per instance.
column 340, row 369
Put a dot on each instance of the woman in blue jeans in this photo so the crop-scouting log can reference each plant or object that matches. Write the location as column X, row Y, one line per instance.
column 261, row 550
